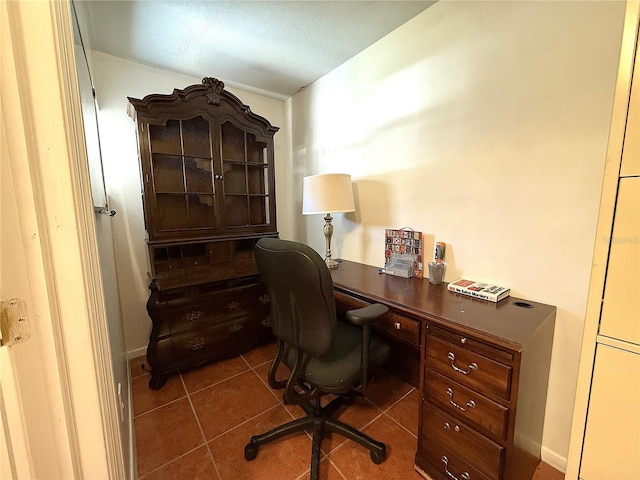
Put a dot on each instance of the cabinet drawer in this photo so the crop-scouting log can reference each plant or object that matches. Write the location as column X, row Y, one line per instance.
column 205, row 312
column 457, row 400
column 471, row 344
column 218, row 341
column 393, row 324
column 478, row 451
column 443, row 464
column 469, row 368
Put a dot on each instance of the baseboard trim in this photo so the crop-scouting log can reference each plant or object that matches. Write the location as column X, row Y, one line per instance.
column 552, row 458
column 138, row 352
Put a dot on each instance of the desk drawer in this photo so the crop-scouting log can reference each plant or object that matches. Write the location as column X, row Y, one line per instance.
column 472, row 344
column 469, row 368
column 393, row 324
column 461, row 402
column 443, row 464
column 477, row 450
column 401, row 327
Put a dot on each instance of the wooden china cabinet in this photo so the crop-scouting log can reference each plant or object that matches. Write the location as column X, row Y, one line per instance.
column 207, row 174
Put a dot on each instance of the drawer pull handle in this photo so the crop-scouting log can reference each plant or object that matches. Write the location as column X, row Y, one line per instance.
column 193, row 316
column 463, row 339
column 197, row 343
column 456, row 428
column 463, row 475
column 397, row 325
column 472, row 366
column 470, row 403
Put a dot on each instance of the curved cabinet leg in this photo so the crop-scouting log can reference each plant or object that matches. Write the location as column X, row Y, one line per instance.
column 157, row 381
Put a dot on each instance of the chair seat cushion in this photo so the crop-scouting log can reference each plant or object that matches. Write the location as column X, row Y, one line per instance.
column 339, row 369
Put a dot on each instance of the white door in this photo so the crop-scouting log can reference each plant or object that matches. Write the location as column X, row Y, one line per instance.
column 23, row 391
column 58, row 410
column 28, row 411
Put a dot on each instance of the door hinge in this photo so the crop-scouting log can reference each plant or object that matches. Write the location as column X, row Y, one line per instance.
column 14, row 326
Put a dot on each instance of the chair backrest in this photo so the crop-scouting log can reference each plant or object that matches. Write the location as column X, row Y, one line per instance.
column 300, row 288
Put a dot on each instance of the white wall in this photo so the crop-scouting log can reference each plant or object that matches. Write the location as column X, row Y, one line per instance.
column 115, row 80
column 483, row 125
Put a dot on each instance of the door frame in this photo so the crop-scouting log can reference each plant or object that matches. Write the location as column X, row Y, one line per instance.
column 43, row 120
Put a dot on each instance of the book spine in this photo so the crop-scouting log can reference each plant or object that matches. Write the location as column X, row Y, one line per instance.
column 472, row 293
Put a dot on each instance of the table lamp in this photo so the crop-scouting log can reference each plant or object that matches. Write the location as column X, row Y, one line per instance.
column 327, row 193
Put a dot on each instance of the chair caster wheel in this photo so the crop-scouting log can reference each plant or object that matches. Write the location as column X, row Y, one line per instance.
column 250, row 451
column 378, row 456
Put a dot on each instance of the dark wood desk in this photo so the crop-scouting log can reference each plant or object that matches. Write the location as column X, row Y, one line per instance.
column 474, row 362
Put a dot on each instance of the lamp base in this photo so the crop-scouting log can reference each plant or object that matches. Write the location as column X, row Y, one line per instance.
column 328, row 231
column 331, row 263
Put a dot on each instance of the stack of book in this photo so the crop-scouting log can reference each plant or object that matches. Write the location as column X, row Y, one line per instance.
column 485, row 291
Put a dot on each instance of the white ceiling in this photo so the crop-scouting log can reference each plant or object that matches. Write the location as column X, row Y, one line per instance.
column 271, row 47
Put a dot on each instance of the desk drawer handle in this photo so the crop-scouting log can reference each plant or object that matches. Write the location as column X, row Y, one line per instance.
column 470, row 403
column 463, row 475
column 397, row 325
column 472, row 366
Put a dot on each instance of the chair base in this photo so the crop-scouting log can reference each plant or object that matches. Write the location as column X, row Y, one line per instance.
column 319, row 420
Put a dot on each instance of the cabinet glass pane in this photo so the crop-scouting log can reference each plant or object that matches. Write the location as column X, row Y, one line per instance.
column 256, row 180
column 259, row 209
column 256, row 151
column 172, row 211
column 165, row 138
column 236, row 210
column 195, row 137
column 232, row 142
column 167, row 173
column 201, row 211
column 235, row 180
column 199, row 172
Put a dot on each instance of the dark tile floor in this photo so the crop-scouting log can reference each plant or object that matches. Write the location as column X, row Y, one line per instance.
column 196, row 426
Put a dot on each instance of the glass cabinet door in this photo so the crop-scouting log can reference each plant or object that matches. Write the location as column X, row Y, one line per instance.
column 183, row 178
column 245, row 178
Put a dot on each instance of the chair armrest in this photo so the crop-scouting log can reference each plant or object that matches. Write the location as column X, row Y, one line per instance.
column 366, row 315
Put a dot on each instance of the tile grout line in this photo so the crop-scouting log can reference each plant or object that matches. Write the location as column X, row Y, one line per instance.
column 266, row 384
column 170, row 461
column 329, row 459
column 216, row 383
column 159, row 407
column 244, row 422
column 204, row 438
column 396, row 403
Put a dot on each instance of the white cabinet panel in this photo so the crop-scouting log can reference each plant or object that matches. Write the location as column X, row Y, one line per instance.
column 631, row 150
column 612, row 438
column 621, row 310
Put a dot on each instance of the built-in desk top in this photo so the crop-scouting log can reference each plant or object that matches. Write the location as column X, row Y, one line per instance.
column 419, row 298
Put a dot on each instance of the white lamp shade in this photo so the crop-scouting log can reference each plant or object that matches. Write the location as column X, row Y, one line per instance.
column 327, row 193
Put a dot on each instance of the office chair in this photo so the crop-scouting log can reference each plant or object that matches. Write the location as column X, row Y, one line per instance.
column 323, row 355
